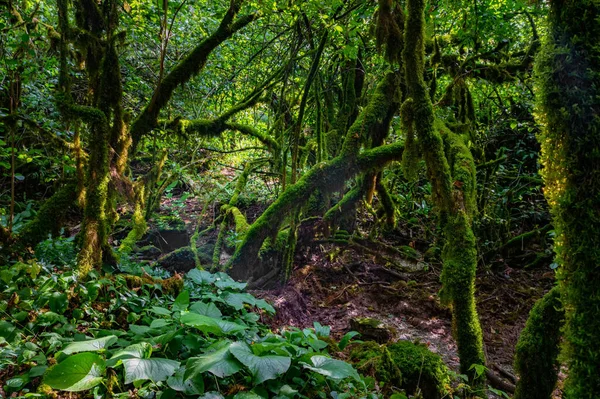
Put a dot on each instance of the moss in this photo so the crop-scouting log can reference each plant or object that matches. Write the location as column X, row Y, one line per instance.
column 386, row 201
column 327, row 177
column 49, row 218
column 568, row 79
column 389, row 30
column 411, row 155
column 409, row 252
column 536, row 354
column 458, row 278
column 403, row 365
column 373, row 359
column 462, row 169
column 420, row 368
column 186, row 69
column 345, row 207
column 139, row 225
column 230, row 210
column 451, row 171
column 377, row 114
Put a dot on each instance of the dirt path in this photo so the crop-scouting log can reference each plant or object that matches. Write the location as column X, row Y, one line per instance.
column 352, row 285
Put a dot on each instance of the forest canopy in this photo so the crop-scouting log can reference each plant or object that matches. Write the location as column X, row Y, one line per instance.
column 346, row 198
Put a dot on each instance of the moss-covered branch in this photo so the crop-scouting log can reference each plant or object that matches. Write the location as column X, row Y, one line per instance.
column 451, row 170
column 325, row 177
column 213, row 128
column 187, row 68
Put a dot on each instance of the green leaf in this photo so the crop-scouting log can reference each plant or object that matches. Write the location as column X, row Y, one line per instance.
column 229, row 327
column 201, row 276
column 17, row 383
column 206, row 309
column 247, row 395
column 182, row 301
column 91, row 345
column 264, row 305
column 224, row 281
column 160, row 311
column 189, row 386
column 321, row 331
column 155, row 369
column 76, row 373
column 218, row 361
column 203, row 323
column 332, row 368
column 237, row 300
column 211, row 395
column 263, row 368
column 143, row 350
column 346, row 339
column 58, row 302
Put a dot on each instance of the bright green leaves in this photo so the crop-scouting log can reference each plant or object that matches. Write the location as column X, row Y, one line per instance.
column 149, row 369
column 218, row 360
column 182, row 301
column 77, row 373
column 206, row 309
column 143, row 350
column 332, row 368
column 58, row 302
column 263, row 368
column 210, row 324
column 192, row 346
column 92, row 345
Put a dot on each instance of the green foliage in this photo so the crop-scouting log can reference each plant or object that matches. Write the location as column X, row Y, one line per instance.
column 207, row 339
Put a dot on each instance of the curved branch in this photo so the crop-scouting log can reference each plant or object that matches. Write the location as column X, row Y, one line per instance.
column 187, row 68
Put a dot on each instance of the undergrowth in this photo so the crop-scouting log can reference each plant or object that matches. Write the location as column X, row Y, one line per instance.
column 105, row 338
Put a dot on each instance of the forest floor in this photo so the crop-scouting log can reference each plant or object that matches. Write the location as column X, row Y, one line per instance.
column 334, row 292
column 333, row 285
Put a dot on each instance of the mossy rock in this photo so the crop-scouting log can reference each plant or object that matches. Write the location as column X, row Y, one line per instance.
column 420, row 368
column 409, row 252
column 371, row 329
column 403, row 365
column 181, row 260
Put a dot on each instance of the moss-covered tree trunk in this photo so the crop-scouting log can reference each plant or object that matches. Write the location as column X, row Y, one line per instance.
column 448, row 161
column 568, row 84
column 536, row 355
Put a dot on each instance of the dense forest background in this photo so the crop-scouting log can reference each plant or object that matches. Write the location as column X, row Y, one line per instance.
column 345, row 198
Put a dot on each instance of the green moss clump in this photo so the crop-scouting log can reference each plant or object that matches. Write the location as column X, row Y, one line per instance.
column 536, row 356
column 403, row 365
column 420, row 368
column 373, row 359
